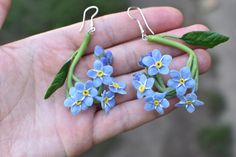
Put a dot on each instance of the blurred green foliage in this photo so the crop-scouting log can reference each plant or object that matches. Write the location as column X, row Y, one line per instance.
column 28, row 17
column 216, row 141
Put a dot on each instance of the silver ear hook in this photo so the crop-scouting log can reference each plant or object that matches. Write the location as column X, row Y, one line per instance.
column 144, row 35
column 92, row 28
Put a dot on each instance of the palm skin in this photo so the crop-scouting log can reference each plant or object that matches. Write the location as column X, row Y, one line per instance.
column 32, row 126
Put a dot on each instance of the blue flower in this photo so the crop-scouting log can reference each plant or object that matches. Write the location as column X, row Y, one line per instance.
column 181, row 81
column 156, row 63
column 156, row 101
column 100, row 74
column 107, row 100
column 189, row 101
column 105, row 56
column 117, row 87
column 142, row 84
column 81, row 97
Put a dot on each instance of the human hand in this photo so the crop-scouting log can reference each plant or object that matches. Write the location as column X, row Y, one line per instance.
column 4, row 6
column 32, row 126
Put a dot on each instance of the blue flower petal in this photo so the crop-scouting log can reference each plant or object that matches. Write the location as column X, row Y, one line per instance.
column 107, row 80
column 75, row 110
column 164, row 70
column 150, row 83
column 69, row 102
column 190, row 108
column 143, row 78
column 136, row 84
column 181, row 90
column 93, row 92
column 156, row 54
column 122, row 85
column 89, row 84
column 108, row 70
column 110, row 94
column 190, row 83
column 106, row 108
column 112, row 102
column 98, row 51
column 122, row 91
column 149, row 107
column 185, row 72
column 174, row 74
column 160, row 110
column 98, row 65
column 166, row 60
column 79, row 86
column 113, row 89
column 73, row 92
column 148, row 61
column 88, row 101
column 148, row 92
column 159, row 96
column 98, row 98
column 84, row 107
column 165, row 103
column 92, row 73
column 198, row 103
column 149, row 99
column 140, row 95
column 172, row 83
column 97, row 82
column 152, row 70
column 180, row 104
column 191, row 97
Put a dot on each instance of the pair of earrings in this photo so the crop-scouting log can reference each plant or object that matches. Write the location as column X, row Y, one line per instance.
column 102, row 87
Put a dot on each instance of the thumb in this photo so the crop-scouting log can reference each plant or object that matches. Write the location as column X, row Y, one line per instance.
column 4, row 6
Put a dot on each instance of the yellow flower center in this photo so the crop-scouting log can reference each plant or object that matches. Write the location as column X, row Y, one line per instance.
column 156, row 102
column 116, row 85
column 78, row 103
column 85, row 93
column 141, row 88
column 181, row 81
column 158, row 64
column 100, row 73
column 189, row 102
column 106, row 100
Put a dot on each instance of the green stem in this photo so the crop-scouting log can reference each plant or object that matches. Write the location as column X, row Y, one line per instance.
column 78, row 54
column 76, row 79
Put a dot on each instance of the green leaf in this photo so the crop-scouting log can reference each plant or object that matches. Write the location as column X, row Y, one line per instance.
column 59, row 79
column 206, row 39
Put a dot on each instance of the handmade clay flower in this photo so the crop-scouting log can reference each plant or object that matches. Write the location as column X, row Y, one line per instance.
column 107, row 100
column 156, row 101
column 156, row 63
column 189, row 101
column 100, row 73
column 142, row 84
column 181, row 81
column 75, row 102
column 86, row 91
column 117, row 87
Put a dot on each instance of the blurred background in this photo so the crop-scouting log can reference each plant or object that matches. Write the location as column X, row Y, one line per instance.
column 210, row 131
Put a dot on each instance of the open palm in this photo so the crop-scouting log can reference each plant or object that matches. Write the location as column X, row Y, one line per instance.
column 30, row 125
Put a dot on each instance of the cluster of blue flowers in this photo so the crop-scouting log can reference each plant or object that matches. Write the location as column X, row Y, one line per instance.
column 181, row 81
column 82, row 95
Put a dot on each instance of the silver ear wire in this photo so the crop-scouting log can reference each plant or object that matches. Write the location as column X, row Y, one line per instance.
column 92, row 28
column 144, row 35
